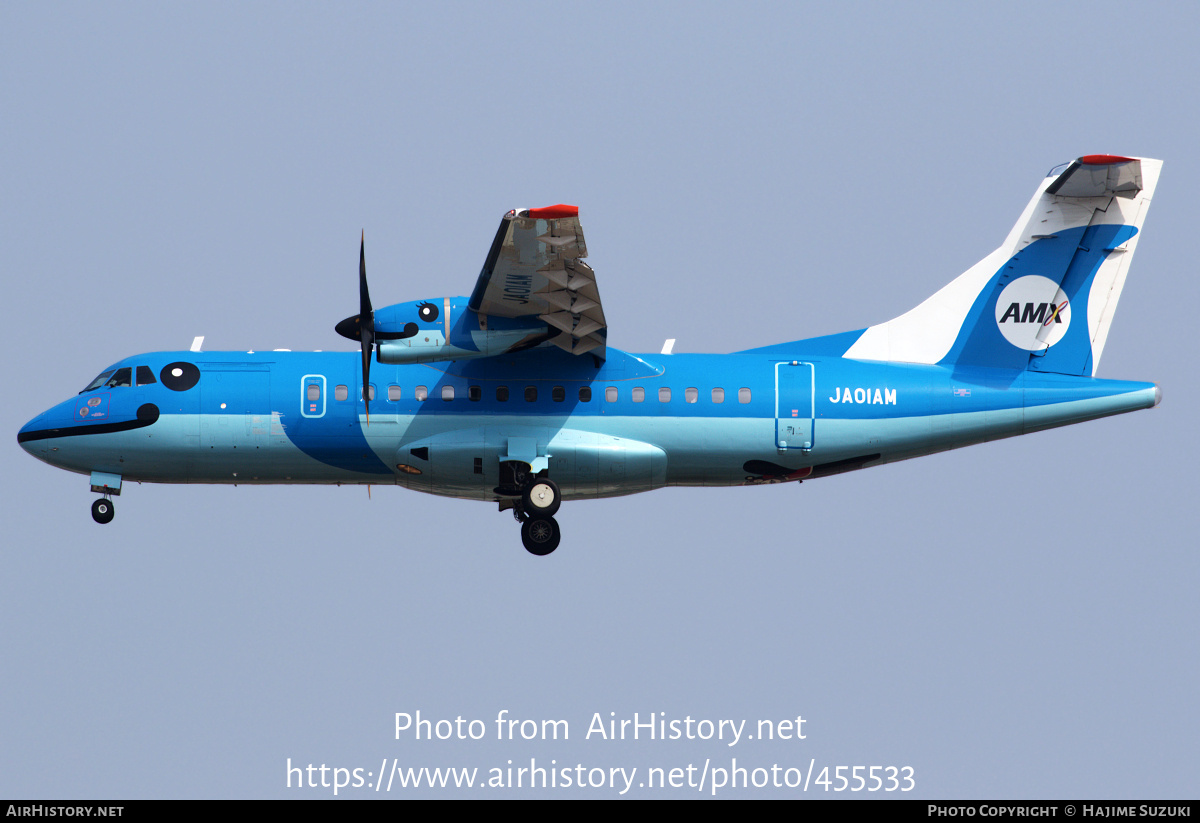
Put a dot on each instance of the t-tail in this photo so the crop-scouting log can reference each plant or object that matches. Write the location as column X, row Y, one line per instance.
column 1045, row 299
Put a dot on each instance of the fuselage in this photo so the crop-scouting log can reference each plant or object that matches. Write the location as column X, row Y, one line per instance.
column 629, row 423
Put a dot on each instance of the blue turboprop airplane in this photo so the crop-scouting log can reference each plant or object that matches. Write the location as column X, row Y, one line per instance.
column 513, row 395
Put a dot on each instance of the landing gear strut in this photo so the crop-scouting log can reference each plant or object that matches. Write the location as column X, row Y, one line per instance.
column 102, row 510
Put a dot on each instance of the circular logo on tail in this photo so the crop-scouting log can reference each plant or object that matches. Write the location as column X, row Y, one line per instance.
column 1033, row 313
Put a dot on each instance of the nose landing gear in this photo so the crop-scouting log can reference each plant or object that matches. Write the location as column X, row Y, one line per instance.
column 102, row 510
column 108, row 485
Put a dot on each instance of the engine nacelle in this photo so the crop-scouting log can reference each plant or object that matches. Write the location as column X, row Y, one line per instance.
column 429, row 331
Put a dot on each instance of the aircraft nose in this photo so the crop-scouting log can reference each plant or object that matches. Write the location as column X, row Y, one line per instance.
column 26, row 440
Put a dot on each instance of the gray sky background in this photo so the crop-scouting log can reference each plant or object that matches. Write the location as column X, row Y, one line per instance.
column 1011, row 620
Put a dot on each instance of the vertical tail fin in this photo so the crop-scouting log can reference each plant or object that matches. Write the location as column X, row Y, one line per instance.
column 1045, row 299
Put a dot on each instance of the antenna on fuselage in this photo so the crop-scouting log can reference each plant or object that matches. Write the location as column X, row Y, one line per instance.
column 197, row 342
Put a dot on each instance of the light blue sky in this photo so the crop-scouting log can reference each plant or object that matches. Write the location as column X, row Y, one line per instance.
column 1012, row 620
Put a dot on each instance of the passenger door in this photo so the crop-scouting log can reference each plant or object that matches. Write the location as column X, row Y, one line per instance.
column 794, row 388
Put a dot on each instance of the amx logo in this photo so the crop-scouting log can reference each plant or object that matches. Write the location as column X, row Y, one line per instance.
column 1033, row 313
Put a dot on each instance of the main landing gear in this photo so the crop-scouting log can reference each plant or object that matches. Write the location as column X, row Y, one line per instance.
column 540, row 500
column 102, row 510
column 537, row 500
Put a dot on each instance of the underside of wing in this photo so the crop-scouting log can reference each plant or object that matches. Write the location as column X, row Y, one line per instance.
column 535, row 269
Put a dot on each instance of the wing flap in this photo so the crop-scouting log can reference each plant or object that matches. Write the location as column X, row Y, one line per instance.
column 579, row 346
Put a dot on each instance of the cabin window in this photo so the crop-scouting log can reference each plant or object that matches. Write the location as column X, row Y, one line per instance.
column 530, row 394
column 639, row 394
column 691, row 395
column 340, row 392
column 393, row 393
column 664, row 395
column 718, row 395
column 144, row 376
column 313, row 392
column 370, row 392
column 558, row 394
column 610, row 394
column 447, row 392
column 502, row 394
column 585, row 394
column 122, row 377
column 474, row 394
column 743, row 395
column 420, row 392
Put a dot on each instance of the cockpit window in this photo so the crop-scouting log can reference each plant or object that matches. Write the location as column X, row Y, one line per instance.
column 100, row 380
column 144, row 376
column 114, row 378
column 122, row 377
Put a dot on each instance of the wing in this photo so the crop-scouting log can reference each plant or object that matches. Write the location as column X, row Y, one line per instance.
column 535, row 268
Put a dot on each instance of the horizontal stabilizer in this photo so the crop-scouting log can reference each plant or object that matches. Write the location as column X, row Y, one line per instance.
column 1099, row 175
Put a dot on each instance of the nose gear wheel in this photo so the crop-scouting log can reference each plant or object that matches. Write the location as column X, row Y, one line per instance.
column 102, row 510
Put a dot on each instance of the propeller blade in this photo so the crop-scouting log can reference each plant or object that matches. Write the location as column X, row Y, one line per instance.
column 368, row 346
column 361, row 327
column 364, row 297
column 366, row 326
